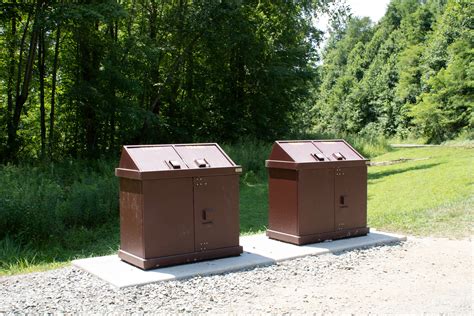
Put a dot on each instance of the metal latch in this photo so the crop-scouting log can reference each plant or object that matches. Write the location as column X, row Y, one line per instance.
column 206, row 215
column 339, row 156
column 175, row 164
column 319, row 157
column 342, row 201
column 201, row 163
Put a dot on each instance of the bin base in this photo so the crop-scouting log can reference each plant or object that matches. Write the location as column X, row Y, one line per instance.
column 314, row 238
column 158, row 262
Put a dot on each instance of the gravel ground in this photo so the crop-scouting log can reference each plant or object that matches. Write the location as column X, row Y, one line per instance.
column 419, row 276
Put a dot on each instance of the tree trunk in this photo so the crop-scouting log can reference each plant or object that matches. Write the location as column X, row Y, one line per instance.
column 22, row 86
column 11, row 74
column 41, row 70
column 53, row 93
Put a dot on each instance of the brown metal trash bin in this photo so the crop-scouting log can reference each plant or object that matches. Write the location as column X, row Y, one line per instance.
column 178, row 204
column 317, row 191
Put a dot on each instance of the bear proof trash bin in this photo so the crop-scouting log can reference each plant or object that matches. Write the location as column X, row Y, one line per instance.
column 317, row 191
column 178, row 204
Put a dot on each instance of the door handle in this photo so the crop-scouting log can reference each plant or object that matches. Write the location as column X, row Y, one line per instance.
column 206, row 216
column 342, row 201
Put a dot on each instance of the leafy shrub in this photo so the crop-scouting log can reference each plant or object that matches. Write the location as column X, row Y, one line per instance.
column 251, row 155
column 40, row 202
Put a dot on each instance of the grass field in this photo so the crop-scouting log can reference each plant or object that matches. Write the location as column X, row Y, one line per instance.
column 431, row 195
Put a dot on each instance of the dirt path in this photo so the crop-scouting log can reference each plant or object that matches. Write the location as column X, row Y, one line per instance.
column 423, row 276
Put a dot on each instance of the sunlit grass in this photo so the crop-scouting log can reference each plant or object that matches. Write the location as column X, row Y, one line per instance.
column 77, row 243
column 431, row 196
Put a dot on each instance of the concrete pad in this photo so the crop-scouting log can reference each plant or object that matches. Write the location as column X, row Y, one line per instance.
column 258, row 250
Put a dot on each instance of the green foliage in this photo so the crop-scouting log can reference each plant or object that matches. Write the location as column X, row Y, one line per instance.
column 80, row 242
column 38, row 203
column 409, row 75
column 447, row 109
column 152, row 72
column 251, row 154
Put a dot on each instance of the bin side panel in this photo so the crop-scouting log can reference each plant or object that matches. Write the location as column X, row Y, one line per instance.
column 168, row 217
column 126, row 161
column 316, row 201
column 209, row 152
column 278, row 153
column 216, row 212
column 283, row 200
column 131, row 216
column 350, row 198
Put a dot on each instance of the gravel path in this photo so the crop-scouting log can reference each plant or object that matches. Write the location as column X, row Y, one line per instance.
column 418, row 276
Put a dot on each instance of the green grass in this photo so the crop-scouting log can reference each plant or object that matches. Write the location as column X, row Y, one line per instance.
column 433, row 196
column 76, row 243
column 425, row 197
column 253, row 207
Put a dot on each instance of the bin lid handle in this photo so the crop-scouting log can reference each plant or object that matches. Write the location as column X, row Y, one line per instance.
column 175, row 164
column 318, row 157
column 339, row 156
column 202, row 163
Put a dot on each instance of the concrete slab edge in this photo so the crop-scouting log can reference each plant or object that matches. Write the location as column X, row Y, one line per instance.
column 363, row 244
column 253, row 262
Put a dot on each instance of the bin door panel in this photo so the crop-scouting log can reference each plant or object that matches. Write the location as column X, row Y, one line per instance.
column 168, row 217
column 216, row 212
column 316, row 201
column 350, row 198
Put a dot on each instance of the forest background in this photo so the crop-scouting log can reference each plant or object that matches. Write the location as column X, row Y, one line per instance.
column 79, row 79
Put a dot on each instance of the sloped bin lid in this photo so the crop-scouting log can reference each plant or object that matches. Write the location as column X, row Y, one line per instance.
column 307, row 154
column 150, row 158
column 181, row 160
column 198, row 156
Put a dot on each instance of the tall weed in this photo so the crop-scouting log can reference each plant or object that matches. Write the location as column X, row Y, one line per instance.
column 40, row 202
column 251, row 155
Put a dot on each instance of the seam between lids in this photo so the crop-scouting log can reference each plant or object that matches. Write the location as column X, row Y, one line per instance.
column 182, row 159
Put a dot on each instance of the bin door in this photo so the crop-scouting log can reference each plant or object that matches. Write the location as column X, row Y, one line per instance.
column 168, row 217
column 216, row 212
column 350, row 198
column 316, row 201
